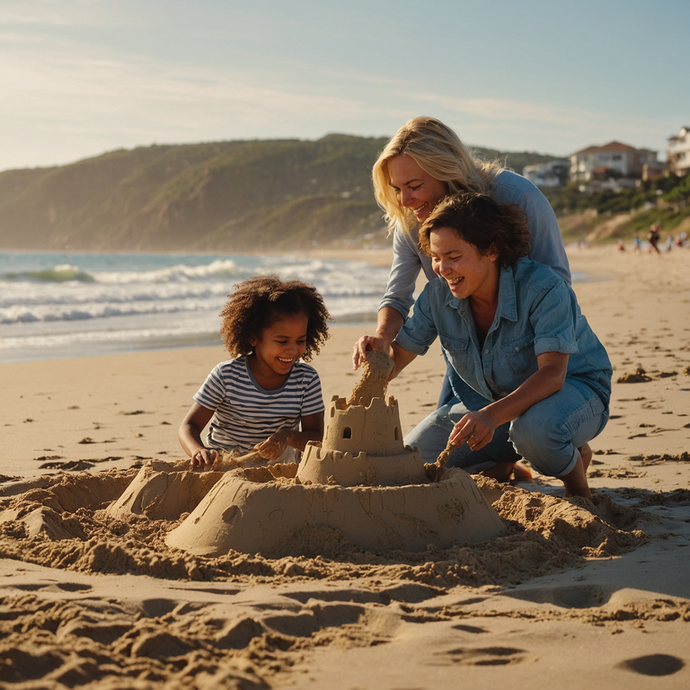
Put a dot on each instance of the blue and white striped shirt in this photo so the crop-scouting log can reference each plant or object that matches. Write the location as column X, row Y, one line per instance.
column 245, row 414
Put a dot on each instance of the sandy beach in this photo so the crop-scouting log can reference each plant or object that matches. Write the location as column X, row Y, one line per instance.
column 575, row 592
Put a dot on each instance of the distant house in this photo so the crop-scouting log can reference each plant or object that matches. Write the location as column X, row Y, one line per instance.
column 612, row 160
column 653, row 171
column 551, row 174
column 610, row 185
column 678, row 152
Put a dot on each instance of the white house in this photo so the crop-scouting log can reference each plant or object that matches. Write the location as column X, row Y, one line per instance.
column 678, row 152
column 551, row 174
column 599, row 161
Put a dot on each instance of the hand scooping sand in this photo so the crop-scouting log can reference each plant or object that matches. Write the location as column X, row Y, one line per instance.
column 374, row 382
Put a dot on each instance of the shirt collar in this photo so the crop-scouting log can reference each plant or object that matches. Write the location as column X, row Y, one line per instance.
column 507, row 295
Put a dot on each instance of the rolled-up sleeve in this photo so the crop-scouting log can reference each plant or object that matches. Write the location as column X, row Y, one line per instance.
column 419, row 331
column 553, row 318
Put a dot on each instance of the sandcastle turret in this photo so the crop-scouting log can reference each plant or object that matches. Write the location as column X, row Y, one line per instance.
column 373, row 430
column 362, row 446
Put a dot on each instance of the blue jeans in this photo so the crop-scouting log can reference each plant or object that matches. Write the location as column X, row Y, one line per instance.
column 431, row 436
column 548, row 434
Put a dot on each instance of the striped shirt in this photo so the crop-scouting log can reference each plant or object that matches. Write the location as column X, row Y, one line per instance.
column 245, row 414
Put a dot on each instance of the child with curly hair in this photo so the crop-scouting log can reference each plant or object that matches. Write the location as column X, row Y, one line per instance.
column 265, row 398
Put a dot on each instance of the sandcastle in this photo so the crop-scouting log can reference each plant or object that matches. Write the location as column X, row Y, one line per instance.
column 361, row 484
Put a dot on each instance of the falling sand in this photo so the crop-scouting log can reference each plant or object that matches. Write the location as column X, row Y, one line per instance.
column 374, row 381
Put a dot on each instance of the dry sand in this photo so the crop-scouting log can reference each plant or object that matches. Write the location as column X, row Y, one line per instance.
column 575, row 592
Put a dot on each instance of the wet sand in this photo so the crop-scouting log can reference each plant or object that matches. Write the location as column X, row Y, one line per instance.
column 575, row 592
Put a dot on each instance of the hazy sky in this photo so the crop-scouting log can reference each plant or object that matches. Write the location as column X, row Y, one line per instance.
column 80, row 77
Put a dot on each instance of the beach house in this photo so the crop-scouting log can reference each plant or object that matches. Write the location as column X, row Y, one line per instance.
column 611, row 160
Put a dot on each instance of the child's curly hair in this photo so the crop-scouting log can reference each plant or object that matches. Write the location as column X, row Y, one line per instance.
column 257, row 302
column 479, row 220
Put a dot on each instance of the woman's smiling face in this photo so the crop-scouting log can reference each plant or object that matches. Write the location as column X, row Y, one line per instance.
column 459, row 263
column 415, row 189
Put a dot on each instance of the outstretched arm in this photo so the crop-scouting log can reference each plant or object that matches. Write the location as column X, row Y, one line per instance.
column 189, row 435
column 397, row 300
column 401, row 358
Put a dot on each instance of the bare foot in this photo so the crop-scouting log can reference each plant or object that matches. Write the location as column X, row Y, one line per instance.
column 521, row 471
column 575, row 481
column 504, row 471
column 500, row 471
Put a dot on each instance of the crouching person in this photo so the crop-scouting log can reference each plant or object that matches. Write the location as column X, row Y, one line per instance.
column 512, row 329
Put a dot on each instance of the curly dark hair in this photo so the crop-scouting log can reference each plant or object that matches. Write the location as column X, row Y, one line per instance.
column 257, row 302
column 479, row 220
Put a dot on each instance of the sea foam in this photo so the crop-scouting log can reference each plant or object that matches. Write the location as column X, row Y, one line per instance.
column 86, row 303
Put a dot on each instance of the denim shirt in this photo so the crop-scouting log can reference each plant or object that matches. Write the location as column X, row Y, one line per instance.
column 537, row 312
column 507, row 188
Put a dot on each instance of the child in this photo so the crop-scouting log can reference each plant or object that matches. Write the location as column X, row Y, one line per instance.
column 265, row 398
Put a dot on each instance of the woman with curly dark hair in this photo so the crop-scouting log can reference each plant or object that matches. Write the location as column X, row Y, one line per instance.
column 513, row 332
column 265, row 397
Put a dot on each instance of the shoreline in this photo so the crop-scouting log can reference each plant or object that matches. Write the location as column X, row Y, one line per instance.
column 155, row 303
column 379, row 257
column 114, row 348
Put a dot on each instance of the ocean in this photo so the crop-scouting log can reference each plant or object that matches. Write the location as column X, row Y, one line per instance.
column 55, row 305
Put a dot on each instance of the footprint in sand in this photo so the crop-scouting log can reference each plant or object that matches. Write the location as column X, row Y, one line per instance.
column 469, row 629
column 482, row 656
column 653, row 665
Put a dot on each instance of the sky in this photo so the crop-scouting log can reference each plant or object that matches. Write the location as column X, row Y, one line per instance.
column 82, row 77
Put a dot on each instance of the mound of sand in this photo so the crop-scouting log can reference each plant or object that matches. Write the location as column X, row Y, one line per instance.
column 69, row 524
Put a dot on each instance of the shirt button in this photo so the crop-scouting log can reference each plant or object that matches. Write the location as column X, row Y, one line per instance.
column 517, row 349
column 486, row 352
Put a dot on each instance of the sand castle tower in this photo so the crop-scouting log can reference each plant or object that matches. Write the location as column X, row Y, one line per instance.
column 361, row 484
column 363, row 441
column 362, row 446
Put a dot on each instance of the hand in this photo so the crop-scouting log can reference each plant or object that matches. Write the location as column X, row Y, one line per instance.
column 368, row 342
column 205, row 459
column 274, row 446
column 475, row 428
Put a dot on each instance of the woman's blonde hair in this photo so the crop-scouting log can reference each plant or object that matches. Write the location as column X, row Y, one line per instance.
column 438, row 151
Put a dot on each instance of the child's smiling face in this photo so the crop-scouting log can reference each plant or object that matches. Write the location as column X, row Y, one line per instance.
column 280, row 345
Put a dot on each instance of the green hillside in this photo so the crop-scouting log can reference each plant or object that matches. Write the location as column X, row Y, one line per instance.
column 219, row 196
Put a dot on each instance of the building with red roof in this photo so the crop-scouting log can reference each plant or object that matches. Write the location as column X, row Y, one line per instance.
column 612, row 160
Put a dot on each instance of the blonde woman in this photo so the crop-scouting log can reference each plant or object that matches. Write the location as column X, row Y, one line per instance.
column 422, row 163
